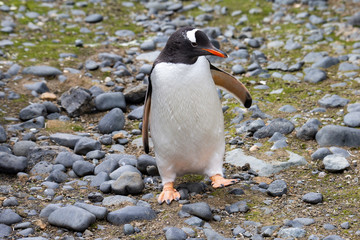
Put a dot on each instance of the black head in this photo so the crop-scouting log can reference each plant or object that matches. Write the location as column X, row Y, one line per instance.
column 186, row 45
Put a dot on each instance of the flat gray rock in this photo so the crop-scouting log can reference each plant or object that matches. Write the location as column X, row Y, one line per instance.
column 240, row 206
column 39, row 87
column 355, row 107
column 32, row 111
column 313, row 198
column 237, row 157
column 129, row 214
column 11, row 164
column 292, row 232
column 335, row 163
column 200, row 209
column 320, row 153
column 117, row 200
column 5, row 230
column 110, row 100
column 21, row 148
column 72, row 218
column 3, row 135
column 65, row 139
column 99, row 212
column 85, row 145
column 8, row 216
column 67, row 158
column 280, row 125
column 76, row 101
column 314, row 75
column 82, row 168
column 332, row 135
column 333, row 101
column 42, row 71
column 345, row 67
column 136, row 114
column 128, row 183
column 326, row 62
column 112, row 121
column 94, row 18
column 174, row 233
column 277, row 188
column 352, row 119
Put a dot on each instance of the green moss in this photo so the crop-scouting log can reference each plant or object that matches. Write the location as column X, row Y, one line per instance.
column 192, row 178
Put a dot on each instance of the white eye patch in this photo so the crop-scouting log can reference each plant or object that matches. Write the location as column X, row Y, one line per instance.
column 191, row 35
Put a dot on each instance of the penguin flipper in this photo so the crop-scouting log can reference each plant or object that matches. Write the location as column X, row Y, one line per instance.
column 232, row 85
column 146, row 116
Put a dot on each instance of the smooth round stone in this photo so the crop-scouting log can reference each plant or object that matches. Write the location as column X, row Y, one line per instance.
column 277, row 188
column 91, row 65
column 320, row 153
column 288, row 109
column 333, row 101
column 313, row 198
column 42, row 71
column 22, row 148
column 174, row 233
column 94, row 18
column 200, row 209
column 71, row 217
column 148, row 45
column 352, row 119
column 112, row 121
column 238, row 69
column 8, row 216
column 335, row 163
column 128, row 229
column 129, row 214
column 314, row 75
column 128, row 183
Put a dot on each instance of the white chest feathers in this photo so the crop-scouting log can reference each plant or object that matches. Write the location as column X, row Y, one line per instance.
column 186, row 120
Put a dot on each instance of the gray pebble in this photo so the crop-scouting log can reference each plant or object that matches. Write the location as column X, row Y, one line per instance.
column 128, row 229
column 277, row 188
column 112, row 121
column 335, row 163
column 42, row 71
column 71, row 217
column 83, row 168
column 200, row 209
column 8, row 216
column 107, row 101
column 128, row 183
column 94, row 18
column 129, row 214
column 99, row 212
column 174, row 233
column 85, row 145
column 313, row 198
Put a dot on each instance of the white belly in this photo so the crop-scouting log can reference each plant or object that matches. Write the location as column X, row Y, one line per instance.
column 186, row 120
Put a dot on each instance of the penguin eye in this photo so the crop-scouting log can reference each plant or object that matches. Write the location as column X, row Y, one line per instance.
column 194, row 44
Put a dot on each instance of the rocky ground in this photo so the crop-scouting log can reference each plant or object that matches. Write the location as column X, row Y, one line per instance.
column 73, row 77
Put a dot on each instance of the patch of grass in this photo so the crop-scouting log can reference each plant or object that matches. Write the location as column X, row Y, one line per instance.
column 53, row 126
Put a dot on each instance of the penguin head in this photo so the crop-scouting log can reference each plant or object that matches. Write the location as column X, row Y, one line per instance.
column 186, row 45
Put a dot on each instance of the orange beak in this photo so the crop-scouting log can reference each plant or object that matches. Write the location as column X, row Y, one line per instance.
column 216, row 52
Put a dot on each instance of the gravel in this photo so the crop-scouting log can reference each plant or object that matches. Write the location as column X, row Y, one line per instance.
column 72, row 106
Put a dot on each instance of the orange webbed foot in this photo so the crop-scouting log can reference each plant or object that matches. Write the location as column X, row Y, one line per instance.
column 168, row 194
column 217, row 181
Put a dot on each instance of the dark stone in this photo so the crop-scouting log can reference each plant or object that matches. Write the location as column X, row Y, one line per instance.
column 332, row 135
column 76, row 101
column 129, row 214
column 280, row 125
column 11, row 164
column 112, row 121
column 200, row 209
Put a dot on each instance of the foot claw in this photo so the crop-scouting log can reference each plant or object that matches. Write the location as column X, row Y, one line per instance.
column 168, row 194
column 220, row 182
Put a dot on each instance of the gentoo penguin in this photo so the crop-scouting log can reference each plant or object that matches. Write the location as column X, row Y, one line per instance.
column 184, row 112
